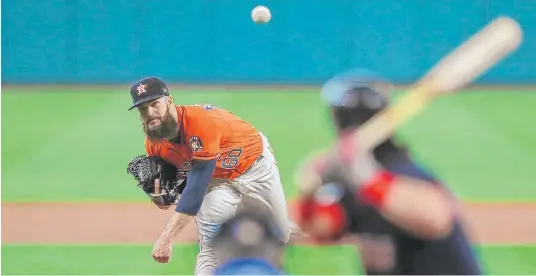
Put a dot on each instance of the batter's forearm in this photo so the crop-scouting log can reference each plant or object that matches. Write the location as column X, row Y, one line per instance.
column 419, row 208
column 177, row 222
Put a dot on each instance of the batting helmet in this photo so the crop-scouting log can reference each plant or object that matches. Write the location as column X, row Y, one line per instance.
column 354, row 97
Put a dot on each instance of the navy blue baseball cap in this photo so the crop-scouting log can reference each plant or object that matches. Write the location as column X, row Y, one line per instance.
column 146, row 90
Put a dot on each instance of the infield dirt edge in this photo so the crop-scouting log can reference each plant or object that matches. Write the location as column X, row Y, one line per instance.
column 81, row 223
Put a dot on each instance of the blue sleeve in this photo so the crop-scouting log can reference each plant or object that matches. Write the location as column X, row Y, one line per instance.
column 196, row 187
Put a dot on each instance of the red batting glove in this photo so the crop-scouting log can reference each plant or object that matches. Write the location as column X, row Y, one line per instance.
column 322, row 221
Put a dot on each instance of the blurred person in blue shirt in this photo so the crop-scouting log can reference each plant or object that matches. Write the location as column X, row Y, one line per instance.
column 249, row 244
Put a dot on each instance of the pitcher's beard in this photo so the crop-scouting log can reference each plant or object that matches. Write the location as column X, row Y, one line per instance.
column 167, row 128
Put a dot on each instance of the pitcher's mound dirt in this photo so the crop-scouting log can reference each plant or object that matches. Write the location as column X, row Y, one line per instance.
column 142, row 223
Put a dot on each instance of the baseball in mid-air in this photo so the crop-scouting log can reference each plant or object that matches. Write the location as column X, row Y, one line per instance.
column 261, row 14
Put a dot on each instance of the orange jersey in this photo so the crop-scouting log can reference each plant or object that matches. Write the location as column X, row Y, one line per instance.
column 207, row 132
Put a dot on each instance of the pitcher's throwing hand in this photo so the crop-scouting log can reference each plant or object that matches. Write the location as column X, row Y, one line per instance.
column 162, row 251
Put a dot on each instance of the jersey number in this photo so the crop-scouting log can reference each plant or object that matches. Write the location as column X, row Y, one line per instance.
column 232, row 158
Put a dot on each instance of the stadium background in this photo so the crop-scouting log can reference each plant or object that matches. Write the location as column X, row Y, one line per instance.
column 67, row 135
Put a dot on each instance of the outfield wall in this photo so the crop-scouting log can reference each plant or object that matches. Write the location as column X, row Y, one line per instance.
column 207, row 41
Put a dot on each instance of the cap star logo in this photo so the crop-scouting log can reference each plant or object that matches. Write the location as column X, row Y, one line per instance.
column 142, row 88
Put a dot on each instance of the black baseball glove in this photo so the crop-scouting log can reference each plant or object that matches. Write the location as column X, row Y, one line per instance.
column 148, row 169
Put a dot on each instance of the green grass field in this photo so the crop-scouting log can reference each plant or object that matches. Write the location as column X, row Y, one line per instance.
column 134, row 260
column 72, row 145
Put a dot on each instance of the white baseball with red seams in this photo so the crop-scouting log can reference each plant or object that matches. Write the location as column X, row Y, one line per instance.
column 261, row 14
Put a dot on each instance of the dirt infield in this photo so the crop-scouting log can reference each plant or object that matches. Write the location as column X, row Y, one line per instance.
column 142, row 222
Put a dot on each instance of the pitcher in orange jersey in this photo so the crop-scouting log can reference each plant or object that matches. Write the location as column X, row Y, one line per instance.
column 223, row 158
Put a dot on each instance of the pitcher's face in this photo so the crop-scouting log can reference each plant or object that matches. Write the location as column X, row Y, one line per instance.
column 157, row 121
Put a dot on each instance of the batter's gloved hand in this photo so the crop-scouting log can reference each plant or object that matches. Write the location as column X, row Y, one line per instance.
column 358, row 164
column 361, row 170
column 322, row 220
column 347, row 163
column 321, row 208
column 331, row 184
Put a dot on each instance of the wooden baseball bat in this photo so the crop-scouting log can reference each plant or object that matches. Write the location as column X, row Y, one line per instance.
column 468, row 61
